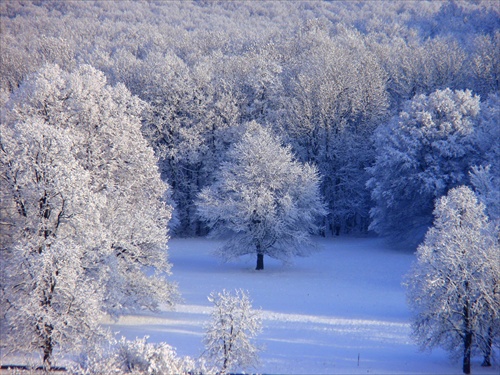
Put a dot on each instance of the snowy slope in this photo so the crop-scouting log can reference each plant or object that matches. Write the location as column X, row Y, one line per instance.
column 340, row 311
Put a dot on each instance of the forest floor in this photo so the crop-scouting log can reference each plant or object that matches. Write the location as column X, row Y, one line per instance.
column 340, row 311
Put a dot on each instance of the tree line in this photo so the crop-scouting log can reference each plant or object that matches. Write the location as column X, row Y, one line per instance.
column 323, row 76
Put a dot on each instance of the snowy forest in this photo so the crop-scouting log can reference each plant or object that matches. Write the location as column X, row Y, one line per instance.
column 262, row 124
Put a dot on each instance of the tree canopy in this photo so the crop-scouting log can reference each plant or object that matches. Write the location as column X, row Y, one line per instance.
column 323, row 75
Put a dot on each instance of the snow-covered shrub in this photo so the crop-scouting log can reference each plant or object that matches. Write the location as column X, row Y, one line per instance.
column 141, row 356
column 229, row 335
column 138, row 357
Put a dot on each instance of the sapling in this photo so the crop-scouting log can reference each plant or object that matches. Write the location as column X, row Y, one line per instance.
column 229, row 335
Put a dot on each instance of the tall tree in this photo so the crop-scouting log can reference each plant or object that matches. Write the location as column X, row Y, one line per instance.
column 48, row 301
column 453, row 288
column 334, row 96
column 268, row 202
column 189, row 124
column 421, row 154
column 87, row 150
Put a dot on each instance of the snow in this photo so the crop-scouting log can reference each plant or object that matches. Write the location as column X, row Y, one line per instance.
column 340, row 311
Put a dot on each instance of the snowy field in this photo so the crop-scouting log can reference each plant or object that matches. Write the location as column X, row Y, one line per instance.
column 340, row 311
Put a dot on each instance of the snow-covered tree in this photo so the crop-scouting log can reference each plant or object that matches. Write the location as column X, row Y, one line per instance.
column 334, row 96
column 487, row 187
column 49, row 227
column 453, row 288
column 421, row 154
column 267, row 202
column 188, row 123
column 84, row 210
column 484, row 63
column 417, row 68
column 485, row 177
column 230, row 333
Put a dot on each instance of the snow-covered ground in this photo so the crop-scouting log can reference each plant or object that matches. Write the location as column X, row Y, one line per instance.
column 340, row 311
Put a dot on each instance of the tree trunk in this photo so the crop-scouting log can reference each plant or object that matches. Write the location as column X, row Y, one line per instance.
column 260, row 262
column 487, row 350
column 467, row 337
column 225, row 364
column 467, row 352
column 47, row 354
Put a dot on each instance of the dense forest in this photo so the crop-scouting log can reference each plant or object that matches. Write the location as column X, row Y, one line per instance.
column 125, row 122
column 341, row 82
